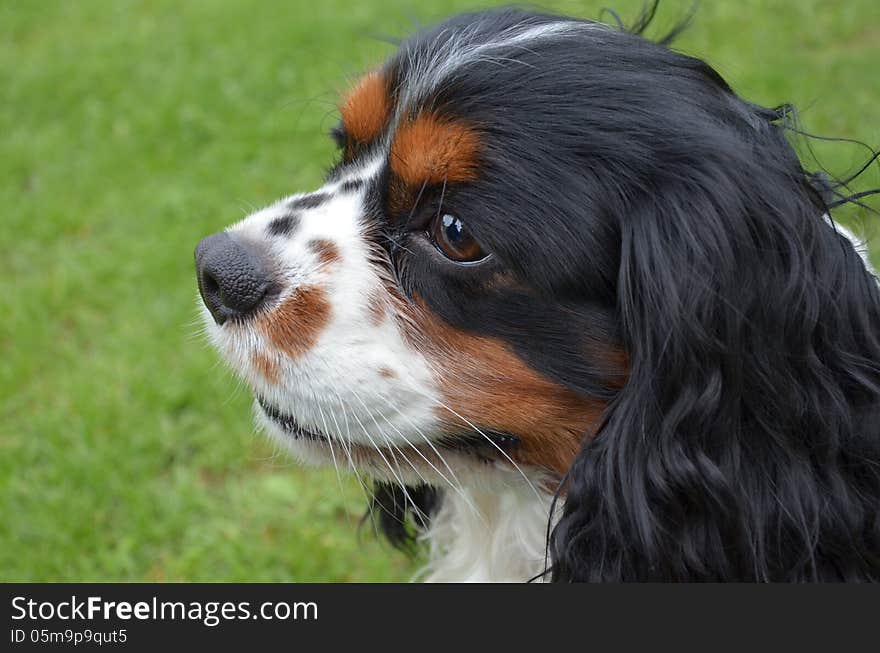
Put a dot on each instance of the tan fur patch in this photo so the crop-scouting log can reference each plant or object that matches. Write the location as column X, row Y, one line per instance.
column 366, row 109
column 294, row 327
column 430, row 150
column 487, row 385
column 386, row 373
column 326, row 251
column 266, row 367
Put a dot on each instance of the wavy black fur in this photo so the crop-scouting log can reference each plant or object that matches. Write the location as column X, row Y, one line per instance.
column 402, row 513
column 745, row 444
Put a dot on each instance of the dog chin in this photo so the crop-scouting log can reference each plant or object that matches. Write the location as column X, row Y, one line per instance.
column 436, row 462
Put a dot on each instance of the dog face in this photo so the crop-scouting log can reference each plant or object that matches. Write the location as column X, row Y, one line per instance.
column 441, row 299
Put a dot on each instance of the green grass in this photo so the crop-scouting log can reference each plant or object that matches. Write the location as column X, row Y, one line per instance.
column 128, row 130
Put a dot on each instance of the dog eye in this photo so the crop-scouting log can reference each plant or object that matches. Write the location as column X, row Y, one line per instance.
column 454, row 240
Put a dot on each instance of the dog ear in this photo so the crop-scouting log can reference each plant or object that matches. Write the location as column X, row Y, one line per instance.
column 746, row 442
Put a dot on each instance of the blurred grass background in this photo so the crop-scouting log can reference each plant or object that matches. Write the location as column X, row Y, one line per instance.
column 129, row 130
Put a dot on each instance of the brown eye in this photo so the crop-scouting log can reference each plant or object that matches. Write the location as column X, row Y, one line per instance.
column 454, row 241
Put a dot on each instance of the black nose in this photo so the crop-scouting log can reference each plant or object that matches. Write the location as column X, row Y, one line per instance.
column 232, row 280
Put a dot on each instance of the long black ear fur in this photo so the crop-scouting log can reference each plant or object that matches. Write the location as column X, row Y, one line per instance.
column 746, row 444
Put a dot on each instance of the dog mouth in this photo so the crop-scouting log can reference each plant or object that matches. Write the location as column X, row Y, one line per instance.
column 289, row 424
column 484, row 445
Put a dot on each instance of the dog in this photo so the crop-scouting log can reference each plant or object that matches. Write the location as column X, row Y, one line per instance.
column 571, row 310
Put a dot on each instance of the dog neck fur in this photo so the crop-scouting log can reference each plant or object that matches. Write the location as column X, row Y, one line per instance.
column 489, row 535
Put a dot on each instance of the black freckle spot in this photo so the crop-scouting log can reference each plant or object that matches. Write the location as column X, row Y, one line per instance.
column 308, row 201
column 352, row 185
column 283, row 226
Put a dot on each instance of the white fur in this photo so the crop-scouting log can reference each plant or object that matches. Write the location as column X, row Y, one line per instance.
column 454, row 50
column 497, row 535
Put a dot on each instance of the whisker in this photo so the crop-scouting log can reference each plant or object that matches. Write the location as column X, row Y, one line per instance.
column 388, row 441
column 332, row 454
column 384, row 438
column 488, row 439
column 347, row 450
column 397, row 477
column 458, row 489
column 442, row 195
column 394, row 240
column 418, row 199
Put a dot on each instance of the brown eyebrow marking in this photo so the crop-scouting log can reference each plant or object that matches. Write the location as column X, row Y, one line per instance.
column 431, row 149
column 366, row 109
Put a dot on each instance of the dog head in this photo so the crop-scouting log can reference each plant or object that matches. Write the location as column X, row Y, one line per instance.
column 555, row 250
column 444, row 294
